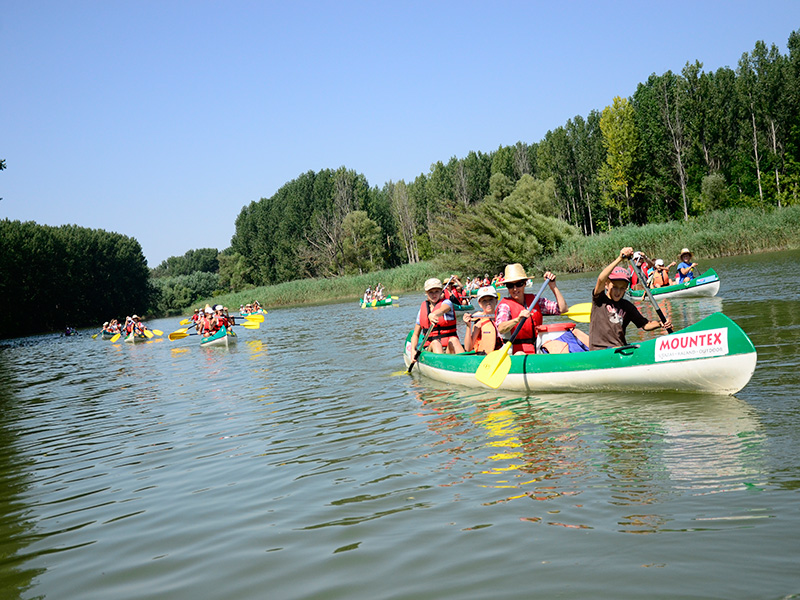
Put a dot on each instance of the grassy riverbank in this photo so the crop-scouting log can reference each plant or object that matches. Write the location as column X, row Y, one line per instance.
column 722, row 233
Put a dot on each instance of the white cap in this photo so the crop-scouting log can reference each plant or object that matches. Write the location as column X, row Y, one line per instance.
column 659, row 262
column 637, row 255
column 433, row 283
column 487, row 290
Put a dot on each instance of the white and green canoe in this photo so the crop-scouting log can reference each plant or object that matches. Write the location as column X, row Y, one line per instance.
column 704, row 286
column 135, row 338
column 223, row 337
column 714, row 355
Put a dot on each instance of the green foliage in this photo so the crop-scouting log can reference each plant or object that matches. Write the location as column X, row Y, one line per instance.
column 175, row 293
column 719, row 233
column 69, row 275
column 204, row 259
column 362, row 243
column 714, row 192
column 499, row 232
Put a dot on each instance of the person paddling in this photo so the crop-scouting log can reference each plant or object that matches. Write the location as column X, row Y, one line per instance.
column 611, row 312
column 512, row 309
column 437, row 315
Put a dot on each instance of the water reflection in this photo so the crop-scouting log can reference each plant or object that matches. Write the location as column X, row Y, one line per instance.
column 16, row 528
column 568, row 451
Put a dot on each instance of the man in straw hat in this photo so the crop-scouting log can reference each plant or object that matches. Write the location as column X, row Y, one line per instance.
column 611, row 312
column 512, row 309
column 436, row 315
column 685, row 267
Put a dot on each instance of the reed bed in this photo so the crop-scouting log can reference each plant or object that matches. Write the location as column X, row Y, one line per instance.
column 721, row 233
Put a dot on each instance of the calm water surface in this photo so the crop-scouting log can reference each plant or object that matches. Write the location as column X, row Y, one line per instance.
column 297, row 465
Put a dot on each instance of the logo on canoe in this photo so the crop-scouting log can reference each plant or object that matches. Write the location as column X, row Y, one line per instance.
column 700, row 344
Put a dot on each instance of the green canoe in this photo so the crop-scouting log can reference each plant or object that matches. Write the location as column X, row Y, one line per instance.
column 713, row 355
column 704, row 286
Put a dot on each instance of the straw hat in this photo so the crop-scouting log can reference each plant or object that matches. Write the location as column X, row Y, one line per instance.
column 433, row 283
column 514, row 272
column 686, row 251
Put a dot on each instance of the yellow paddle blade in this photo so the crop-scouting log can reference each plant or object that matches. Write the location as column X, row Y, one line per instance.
column 94, row 336
column 148, row 334
column 157, row 331
column 255, row 318
column 115, row 338
column 177, row 335
column 185, row 322
column 579, row 312
column 493, row 369
column 249, row 325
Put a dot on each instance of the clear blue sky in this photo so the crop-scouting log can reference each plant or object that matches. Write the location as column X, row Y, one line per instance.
column 161, row 120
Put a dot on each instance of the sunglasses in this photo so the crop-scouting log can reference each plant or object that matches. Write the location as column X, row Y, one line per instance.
column 515, row 284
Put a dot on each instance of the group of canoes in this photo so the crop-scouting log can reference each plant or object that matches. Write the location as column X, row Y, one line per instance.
column 713, row 355
column 215, row 325
column 131, row 331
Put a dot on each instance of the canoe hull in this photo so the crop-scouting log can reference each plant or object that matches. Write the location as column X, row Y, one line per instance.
column 705, row 286
column 637, row 368
column 375, row 303
column 135, row 339
column 223, row 338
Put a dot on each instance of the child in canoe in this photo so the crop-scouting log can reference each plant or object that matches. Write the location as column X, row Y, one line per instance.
column 611, row 312
column 482, row 336
column 436, row 315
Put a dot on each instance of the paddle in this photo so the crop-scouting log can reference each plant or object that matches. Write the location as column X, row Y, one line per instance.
column 179, row 335
column 420, row 346
column 427, row 333
column 649, row 294
column 493, row 369
column 579, row 312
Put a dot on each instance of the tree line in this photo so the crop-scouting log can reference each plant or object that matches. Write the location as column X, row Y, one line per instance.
column 54, row 277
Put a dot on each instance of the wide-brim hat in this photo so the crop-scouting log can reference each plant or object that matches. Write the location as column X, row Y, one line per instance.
column 486, row 290
column 620, row 274
column 514, row 272
column 433, row 283
column 686, row 251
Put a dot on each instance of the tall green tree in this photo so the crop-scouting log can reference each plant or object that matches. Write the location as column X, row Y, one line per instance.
column 621, row 142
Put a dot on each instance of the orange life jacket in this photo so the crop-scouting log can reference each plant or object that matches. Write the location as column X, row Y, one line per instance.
column 488, row 339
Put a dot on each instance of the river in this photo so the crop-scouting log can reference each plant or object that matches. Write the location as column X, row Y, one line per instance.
column 300, row 465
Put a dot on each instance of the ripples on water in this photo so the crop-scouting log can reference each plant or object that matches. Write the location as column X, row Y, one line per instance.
column 297, row 466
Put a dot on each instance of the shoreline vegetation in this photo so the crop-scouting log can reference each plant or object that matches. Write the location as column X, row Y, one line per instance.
column 731, row 232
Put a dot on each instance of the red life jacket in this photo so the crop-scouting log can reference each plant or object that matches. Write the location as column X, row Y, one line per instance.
column 526, row 339
column 442, row 330
column 488, row 338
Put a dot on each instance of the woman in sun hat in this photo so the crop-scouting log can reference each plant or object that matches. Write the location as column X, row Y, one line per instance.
column 514, row 308
column 685, row 267
column 611, row 312
column 437, row 315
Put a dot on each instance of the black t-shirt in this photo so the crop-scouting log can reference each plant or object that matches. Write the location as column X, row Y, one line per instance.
column 609, row 320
